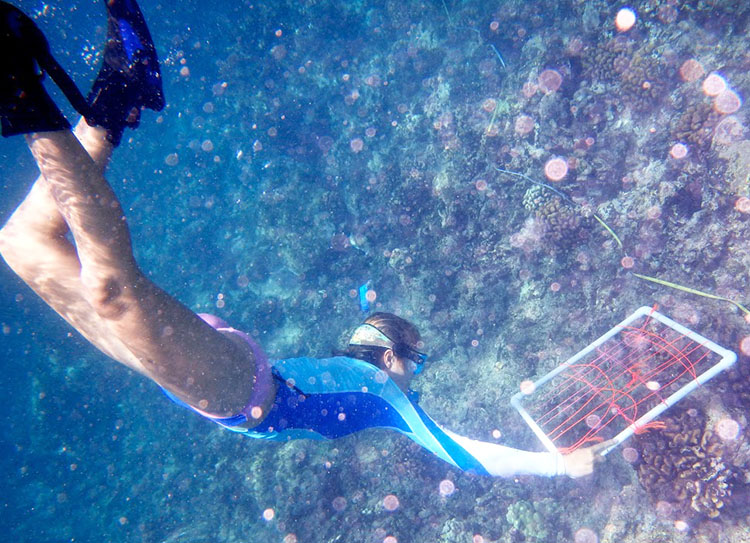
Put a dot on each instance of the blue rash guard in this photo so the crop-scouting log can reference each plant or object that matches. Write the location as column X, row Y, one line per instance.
column 334, row 397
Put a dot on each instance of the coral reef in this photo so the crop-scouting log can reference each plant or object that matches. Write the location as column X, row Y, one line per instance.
column 696, row 125
column 560, row 221
column 686, row 465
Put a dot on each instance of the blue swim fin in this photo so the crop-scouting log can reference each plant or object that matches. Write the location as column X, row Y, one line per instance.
column 129, row 79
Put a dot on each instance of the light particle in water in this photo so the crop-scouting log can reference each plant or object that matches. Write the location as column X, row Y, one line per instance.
column 678, row 151
column 357, row 145
column 714, row 84
column 390, row 502
column 268, row 514
column 630, row 455
column 727, row 102
column 585, row 535
column 523, row 125
column 556, row 169
column 339, row 504
column 592, row 421
column 728, row 429
column 527, row 387
column 625, row 19
column 172, row 159
column 446, row 487
column 691, row 70
column 549, row 81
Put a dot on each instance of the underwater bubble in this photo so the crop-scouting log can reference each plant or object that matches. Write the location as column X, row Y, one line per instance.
column 585, row 535
column 496, row 434
column 625, row 19
column 627, row 262
column 714, row 84
column 268, row 514
column 556, row 169
column 172, row 159
column 371, row 295
column 727, row 102
column 390, row 502
column 480, row 185
column 185, row 71
column 447, row 487
column 208, row 107
column 339, row 503
column 207, row 146
column 549, row 81
column 728, row 429
column 290, row 538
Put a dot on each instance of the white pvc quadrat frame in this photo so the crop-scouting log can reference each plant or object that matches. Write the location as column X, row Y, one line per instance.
column 727, row 358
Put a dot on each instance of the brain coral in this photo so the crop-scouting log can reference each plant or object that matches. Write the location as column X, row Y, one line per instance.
column 684, row 464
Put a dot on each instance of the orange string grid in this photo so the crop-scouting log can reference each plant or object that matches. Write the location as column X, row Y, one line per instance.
column 620, row 383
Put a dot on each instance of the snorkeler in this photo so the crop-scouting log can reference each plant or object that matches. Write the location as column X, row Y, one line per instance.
column 199, row 361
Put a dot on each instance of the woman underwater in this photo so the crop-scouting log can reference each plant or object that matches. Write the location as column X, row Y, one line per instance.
column 200, row 361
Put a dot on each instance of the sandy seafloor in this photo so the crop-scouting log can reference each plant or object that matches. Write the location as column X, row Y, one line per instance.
column 308, row 147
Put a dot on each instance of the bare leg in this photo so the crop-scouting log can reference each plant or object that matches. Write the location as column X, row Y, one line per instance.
column 100, row 289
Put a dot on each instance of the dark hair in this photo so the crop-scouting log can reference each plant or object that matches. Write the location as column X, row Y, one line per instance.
column 404, row 335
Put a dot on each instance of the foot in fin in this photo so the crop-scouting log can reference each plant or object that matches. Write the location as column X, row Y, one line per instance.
column 25, row 105
column 129, row 79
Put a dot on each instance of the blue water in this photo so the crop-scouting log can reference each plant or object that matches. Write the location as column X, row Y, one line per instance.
column 307, row 148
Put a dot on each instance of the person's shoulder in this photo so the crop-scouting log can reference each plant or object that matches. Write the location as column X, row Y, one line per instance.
column 334, row 374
